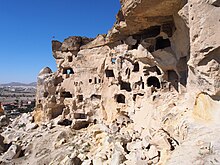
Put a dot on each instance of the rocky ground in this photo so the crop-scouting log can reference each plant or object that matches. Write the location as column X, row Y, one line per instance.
column 122, row 142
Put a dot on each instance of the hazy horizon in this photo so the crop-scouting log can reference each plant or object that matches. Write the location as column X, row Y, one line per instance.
column 28, row 27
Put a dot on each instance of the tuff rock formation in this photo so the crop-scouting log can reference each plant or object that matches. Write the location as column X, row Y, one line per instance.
column 146, row 93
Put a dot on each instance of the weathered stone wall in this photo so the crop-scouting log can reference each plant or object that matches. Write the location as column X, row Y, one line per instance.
column 157, row 65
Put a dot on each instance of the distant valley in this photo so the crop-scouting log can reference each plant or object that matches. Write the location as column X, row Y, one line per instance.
column 14, row 84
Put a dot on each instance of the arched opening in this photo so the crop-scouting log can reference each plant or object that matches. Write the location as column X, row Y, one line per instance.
column 68, row 71
column 120, row 98
column 113, row 60
column 153, row 81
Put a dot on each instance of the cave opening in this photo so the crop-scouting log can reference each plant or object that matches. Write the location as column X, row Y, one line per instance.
column 120, row 98
column 136, row 45
column 68, row 71
column 70, row 58
column 125, row 86
column 173, row 78
column 80, row 116
column 46, row 94
column 162, row 43
column 66, row 95
column 80, row 98
column 136, row 67
column 153, row 81
column 109, row 73
column 113, row 60
column 96, row 97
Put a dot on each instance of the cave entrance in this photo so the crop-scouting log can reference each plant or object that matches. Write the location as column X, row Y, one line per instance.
column 153, row 81
column 136, row 67
column 96, row 97
column 125, row 86
column 80, row 98
column 173, row 78
column 162, row 43
column 66, row 95
column 46, row 94
column 147, row 70
column 80, row 116
column 109, row 73
column 68, row 71
column 70, row 58
column 120, row 98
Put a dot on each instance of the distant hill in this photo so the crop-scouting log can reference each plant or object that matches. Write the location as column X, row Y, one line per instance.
column 33, row 84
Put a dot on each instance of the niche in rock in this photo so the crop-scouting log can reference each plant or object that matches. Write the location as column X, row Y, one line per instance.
column 125, row 86
column 153, row 81
column 109, row 73
column 136, row 45
column 46, row 94
column 113, row 60
column 136, row 67
column 70, row 58
column 80, row 98
column 120, row 98
column 65, row 122
column 79, row 116
column 150, row 32
column 96, row 97
column 66, row 95
column 68, row 71
column 168, row 28
column 128, row 72
column 135, row 96
column 162, row 43
column 147, row 70
column 183, row 70
column 173, row 78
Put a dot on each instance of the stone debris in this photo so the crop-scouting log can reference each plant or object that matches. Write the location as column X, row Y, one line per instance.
column 148, row 92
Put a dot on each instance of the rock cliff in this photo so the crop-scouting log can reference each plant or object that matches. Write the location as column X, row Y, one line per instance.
column 148, row 92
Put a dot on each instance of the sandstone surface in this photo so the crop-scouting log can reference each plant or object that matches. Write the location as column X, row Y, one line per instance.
column 148, row 92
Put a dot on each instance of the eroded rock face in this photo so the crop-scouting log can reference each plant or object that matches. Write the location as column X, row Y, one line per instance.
column 142, row 94
column 204, row 63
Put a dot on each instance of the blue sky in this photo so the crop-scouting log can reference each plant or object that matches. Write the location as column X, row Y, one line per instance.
column 27, row 28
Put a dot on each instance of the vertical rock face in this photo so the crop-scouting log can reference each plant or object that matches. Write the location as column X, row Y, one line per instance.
column 204, row 63
column 142, row 81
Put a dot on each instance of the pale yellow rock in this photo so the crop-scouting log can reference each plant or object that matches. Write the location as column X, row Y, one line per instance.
column 206, row 108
